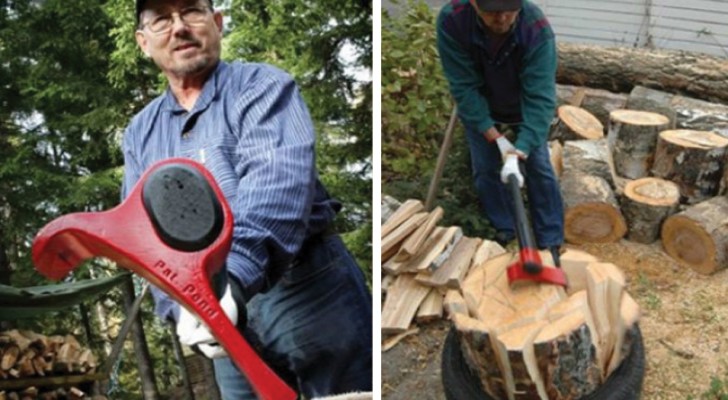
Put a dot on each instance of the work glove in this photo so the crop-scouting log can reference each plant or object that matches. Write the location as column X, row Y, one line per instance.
column 504, row 145
column 192, row 332
column 511, row 167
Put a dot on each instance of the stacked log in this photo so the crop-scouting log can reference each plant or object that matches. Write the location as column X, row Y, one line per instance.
column 646, row 203
column 695, row 160
column 590, row 157
column 698, row 236
column 32, row 393
column 632, row 138
column 592, row 214
column 576, row 123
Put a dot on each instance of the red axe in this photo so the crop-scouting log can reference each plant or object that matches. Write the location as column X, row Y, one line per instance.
column 174, row 230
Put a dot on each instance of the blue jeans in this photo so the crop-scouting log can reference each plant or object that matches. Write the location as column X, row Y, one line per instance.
column 313, row 326
column 544, row 195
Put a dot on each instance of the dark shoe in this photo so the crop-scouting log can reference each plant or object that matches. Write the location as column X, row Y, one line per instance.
column 503, row 238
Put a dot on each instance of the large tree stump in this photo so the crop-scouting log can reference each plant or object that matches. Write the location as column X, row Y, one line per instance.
column 575, row 123
column 632, row 139
column 592, row 214
column 531, row 340
column 698, row 236
column 692, row 159
column 646, row 204
column 590, row 157
column 619, row 69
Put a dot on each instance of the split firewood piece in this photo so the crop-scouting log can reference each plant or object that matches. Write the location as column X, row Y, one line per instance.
column 475, row 340
column 386, row 282
column 452, row 272
column 431, row 307
column 564, row 350
column 394, row 340
column 698, row 236
column 9, row 357
column 391, row 242
column 576, row 123
column 516, row 358
column 454, row 303
column 645, row 205
column 605, row 283
column 16, row 337
column 389, row 206
column 556, row 156
column 574, row 263
column 694, row 160
column 403, row 213
column 632, row 139
column 404, row 296
column 488, row 249
column 589, row 157
column 413, row 244
column 629, row 315
column 439, row 241
column 592, row 214
column 445, row 254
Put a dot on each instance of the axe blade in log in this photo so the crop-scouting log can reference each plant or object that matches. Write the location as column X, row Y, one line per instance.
column 175, row 230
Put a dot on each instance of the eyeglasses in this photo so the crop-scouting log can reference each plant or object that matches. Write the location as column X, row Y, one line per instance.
column 190, row 16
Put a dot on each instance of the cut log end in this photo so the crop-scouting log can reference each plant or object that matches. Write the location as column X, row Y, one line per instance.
column 641, row 118
column 579, row 123
column 688, row 242
column 694, row 139
column 653, row 191
column 594, row 223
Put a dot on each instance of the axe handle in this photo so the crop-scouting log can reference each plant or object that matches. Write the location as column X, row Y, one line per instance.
column 526, row 243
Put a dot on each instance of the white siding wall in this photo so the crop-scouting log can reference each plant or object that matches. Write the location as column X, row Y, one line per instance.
column 694, row 25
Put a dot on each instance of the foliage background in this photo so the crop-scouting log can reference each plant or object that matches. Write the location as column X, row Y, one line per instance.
column 416, row 107
column 71, row 77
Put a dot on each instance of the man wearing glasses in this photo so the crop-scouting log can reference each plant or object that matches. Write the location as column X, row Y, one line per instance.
column 499, row 57
column 293, row 288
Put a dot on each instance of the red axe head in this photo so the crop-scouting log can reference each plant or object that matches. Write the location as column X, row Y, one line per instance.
column 175, row 230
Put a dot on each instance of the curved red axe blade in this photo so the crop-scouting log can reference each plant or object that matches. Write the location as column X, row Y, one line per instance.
column 182, row 263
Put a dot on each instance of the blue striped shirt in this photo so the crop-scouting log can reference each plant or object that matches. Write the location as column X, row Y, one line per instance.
column 252, row 130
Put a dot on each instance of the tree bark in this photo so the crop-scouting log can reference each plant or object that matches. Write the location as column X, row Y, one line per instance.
column 694, row 160
column 590, row 157
column 698, row 236
column 646, row 204
column 144, row 360
column 621, row 69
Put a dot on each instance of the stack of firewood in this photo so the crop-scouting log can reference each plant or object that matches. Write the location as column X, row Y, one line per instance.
column 32, row 393
column 513, row 335
column 26, row 354
column 658, row 173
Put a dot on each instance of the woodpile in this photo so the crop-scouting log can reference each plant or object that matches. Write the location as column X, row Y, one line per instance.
column 525, row 340
column 657, row 144
column 25, row 355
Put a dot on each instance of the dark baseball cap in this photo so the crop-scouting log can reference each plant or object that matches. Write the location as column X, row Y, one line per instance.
column 140, row 7
column 499, row 5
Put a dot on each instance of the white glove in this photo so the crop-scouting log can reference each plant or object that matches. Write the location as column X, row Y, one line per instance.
column 504, row 145
column 192, row 332
column 510, row 167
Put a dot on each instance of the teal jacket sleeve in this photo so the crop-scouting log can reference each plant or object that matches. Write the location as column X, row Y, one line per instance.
column 538, row 95
column 464, row 81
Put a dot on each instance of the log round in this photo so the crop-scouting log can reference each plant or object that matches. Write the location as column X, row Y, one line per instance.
column 590, row 157
column 592, row 214
column 646, row 204
column 693, row 159
column 533, row 340
column 632, row 138
column 698, row 236
column 576, row 123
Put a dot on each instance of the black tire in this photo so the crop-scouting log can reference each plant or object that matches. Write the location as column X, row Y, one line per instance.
column 461, row 383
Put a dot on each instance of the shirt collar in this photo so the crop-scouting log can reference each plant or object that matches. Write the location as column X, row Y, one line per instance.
column 209, row 91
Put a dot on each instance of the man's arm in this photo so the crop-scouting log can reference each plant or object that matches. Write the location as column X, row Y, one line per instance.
column 538, row 95
column 276, row 190
column 464, row 80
